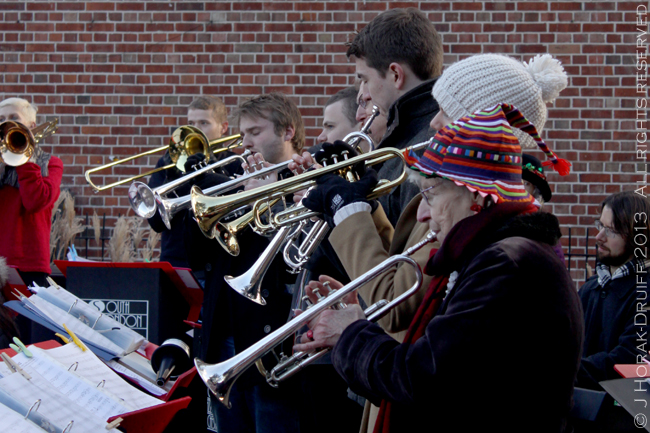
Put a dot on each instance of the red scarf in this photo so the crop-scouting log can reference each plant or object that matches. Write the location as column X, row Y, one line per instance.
column 462, row 243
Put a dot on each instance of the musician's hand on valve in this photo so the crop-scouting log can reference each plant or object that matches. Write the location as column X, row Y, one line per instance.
column 324, row 286
column 255, row 163
column 303, row 163
column 333, row 192
column 204, row 180
column 331, row 153
column 194, row 162
column 326, row 329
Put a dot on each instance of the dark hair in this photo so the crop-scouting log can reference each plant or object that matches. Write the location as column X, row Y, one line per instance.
column 279, row 110
column 349, row 98
column 400, row 35
column 213, row 104
column 631, row 211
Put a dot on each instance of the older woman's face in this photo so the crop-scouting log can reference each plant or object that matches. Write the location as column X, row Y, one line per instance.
column 444, row 205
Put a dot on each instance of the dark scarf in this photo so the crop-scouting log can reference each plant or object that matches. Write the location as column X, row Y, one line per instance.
column 8, row 175
column 465, row 240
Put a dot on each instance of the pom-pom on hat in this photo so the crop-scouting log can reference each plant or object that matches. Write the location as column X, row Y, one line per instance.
column 484, row 80
column 481, row 152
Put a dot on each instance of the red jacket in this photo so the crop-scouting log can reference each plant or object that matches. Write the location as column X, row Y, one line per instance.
column 26, row 216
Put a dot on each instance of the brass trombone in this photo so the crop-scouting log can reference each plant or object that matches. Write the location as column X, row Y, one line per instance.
column 18, row 142
column 184, row 142
column 220, row 377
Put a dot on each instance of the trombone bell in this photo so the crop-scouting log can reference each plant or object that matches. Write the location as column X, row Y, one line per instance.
column 18, row 142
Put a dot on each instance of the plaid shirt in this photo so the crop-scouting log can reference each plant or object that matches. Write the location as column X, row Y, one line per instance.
column 629, row 268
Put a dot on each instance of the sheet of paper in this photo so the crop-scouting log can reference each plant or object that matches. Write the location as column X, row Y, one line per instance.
column 84, row 332
column 121, row 335
column 54, row 405
column 77, row 389
column 87, row 365
column 150, row 387
column 15, row 423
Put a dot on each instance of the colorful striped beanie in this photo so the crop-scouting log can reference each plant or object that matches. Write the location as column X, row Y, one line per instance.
column 481, row 152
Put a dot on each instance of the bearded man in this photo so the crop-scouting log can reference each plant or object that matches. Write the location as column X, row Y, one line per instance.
column 611, row 298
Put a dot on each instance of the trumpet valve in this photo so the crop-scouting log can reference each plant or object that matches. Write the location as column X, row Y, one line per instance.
column 317, row 294
column 305, row 299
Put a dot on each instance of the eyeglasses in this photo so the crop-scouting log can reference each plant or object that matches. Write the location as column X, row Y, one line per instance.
column 609, row 232
column 424, row 196
column 362, row 102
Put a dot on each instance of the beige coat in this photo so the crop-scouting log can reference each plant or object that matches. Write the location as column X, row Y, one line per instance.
column 361, row 242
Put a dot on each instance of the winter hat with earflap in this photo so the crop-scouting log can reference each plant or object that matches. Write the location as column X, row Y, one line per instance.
column 487, row 79
column 481, row 152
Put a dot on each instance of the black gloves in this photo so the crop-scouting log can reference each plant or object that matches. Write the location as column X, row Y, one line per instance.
column 338, row 151
column 204, row 180
column 333, row 192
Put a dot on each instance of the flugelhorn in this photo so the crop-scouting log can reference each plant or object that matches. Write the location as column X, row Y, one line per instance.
column 18, row 142
column 184, row 142
column 220, row 377
column 143, row 199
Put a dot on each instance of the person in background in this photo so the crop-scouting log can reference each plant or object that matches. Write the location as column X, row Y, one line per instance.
column 208, row 114
column 339, row 116
column 28, row 193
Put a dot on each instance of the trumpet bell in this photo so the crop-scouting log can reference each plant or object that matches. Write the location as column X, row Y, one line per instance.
column 215, row 380
column 142, row 200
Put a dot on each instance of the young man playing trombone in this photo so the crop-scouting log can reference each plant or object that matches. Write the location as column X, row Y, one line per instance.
column 208, row 114
column 28, row 193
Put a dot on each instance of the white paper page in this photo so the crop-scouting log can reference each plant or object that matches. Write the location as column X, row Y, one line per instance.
column 72, row 386
column 93, row 369
column 123, row 336
column 12, row 422
column 59, row 317
column 54, row 405
column 152, row 388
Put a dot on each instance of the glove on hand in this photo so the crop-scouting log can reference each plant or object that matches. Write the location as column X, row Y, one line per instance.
column 204, row 180
column 194, row 162
column 333, row 192
column 338, row 149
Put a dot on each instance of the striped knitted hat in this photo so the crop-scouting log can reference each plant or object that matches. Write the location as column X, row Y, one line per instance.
column 481, row 152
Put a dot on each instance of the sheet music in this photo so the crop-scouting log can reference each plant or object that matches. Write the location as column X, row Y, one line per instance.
column 93, row 369
column 121, row 335
column 150, row 387
column 54, row 405
column 77, row 389
column 84, row 332
column 15, row 423
column 22, row 407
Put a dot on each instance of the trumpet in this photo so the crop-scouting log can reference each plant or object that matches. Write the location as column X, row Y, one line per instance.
column 209, row 210
column 144, row 199
column 184, row 142
column 219, row 378
column 18, row 142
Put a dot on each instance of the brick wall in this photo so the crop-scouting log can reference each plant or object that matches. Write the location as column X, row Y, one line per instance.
column 119, row 75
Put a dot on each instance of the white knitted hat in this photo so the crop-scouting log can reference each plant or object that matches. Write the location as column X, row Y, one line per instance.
column 485, row 80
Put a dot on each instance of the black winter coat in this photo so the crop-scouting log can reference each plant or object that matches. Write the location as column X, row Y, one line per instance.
column 408, row 124
column 610, row 329
column 503, row 351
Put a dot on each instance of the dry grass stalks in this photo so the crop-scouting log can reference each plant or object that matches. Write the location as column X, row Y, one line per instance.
column 120, row 246
column 65, row 225
column 97, row 228
column 150, row 246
